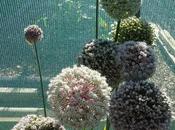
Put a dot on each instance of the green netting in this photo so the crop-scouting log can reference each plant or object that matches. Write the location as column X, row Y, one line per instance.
column 67, row 25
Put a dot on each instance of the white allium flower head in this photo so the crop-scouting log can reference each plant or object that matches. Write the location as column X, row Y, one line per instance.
column 79, row 96
column 34, row 122
column 120, row 9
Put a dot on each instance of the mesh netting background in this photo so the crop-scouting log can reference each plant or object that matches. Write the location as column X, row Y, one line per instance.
column 67, row 25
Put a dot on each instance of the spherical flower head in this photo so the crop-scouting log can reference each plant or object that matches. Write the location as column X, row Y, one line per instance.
column 137, row 60
column 79, row 97
column 121, row 9
column 33, row 34
column 100, row 55
column 34, row 122
column 139, row 106
column 134, row 29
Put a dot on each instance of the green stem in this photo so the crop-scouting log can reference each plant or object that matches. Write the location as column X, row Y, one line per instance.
column 116, row 40
column 107, row 120
column 138, row 14
column 97, row 18
column 41, row 80
column 117, row 30
column 107, row 124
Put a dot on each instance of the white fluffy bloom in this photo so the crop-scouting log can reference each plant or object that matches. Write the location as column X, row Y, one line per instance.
column 79, row 96
column 34, row 122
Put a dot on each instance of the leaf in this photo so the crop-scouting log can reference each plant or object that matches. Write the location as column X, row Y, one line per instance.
column 103, row 23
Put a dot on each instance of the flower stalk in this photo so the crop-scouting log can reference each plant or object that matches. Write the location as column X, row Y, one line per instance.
column 117, row 30
column 108, row 124
column 33, row 34
column 41, row 79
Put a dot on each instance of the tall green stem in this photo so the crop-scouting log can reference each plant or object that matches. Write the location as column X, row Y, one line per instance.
column 97, row 18
column 117, row 30
column 107, row 124
column 41, row 80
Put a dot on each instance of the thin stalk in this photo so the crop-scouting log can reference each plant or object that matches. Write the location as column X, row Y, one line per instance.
column 107, row 124
column 117, row 30
column 138, row 14
column 41, row 80
column 97, row 16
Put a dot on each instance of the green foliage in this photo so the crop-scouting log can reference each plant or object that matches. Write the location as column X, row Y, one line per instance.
column 134, row 29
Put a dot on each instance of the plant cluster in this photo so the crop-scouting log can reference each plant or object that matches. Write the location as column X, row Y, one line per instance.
column 81, row 97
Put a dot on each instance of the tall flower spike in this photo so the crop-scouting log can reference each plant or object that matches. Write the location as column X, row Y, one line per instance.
column 33, row 34
column 134, row 29
column 34, row 122
column 100, row 55
column 139, row 106
column 79, row 97
column 120, row 9
column 137, row 60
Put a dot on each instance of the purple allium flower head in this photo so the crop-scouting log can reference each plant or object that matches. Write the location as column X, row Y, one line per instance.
column 137, row 60
column 139, row 106
column 33, row 34
column 100, row 55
